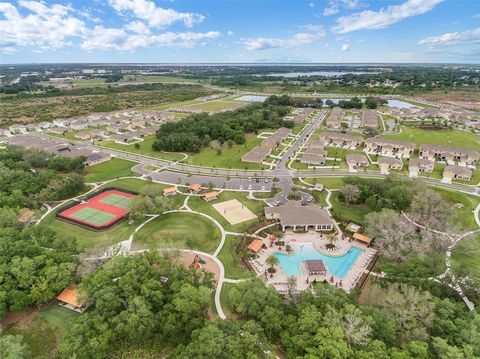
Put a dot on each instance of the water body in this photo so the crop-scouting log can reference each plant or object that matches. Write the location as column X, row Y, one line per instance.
column 252, row 98
column 401, row 104
column 337, row 265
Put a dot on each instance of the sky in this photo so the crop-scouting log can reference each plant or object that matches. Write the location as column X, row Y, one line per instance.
column 240, row 31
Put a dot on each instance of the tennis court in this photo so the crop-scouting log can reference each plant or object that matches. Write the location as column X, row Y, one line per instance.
column 101, row 211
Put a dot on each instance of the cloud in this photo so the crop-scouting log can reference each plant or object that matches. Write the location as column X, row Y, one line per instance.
column 461, row 44
column 310, row 34
column 334, row 6
column 41, row 27
column 155, row 16
column 345, row 47
column 372, row 20
column 311, row 4
column 230, row 33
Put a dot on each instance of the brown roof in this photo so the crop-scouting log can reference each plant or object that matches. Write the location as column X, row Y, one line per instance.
column 362, row 238
column 315, row 265
column 211, row 194
column 291, row 214
column 255, row 245
column 169, row 190
column 195, row 186
column 70, row 296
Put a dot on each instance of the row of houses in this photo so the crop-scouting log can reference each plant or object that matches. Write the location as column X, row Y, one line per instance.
column 300, row 115
column 259, row 153
column 398, row 149
column 117, row 121
column 56, row 147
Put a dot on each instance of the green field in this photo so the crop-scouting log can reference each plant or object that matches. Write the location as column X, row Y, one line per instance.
column 145, row 148
column 179, row 230
column 229, row 157
column 216, row 105
column 225, row 301
column 108, row 170
column 233, row 265
column 198, row 204
column 353, row 213
column 455, row 138
column 328, row 182
column 464, row 215
column 43, row 330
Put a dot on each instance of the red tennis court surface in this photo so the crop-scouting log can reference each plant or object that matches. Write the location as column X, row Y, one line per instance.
column 101, row 211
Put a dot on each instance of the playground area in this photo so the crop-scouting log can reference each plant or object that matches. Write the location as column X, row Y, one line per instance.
column 194, row 261
column 234, row 211
column 100, row 212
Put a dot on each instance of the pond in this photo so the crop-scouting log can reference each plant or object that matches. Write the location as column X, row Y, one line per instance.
column 252, row 98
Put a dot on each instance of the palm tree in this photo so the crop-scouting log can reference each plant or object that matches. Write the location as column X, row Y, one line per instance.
column 331, row 239
column 272, row 261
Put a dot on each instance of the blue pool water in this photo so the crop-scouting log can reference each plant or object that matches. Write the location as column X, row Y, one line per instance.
column 338, row 266
column 252, row 98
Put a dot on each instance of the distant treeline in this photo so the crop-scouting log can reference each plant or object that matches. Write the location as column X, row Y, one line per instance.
column 193, row 133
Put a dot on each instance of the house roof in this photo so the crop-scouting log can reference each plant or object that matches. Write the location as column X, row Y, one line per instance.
column 170, row 190
column 356, row 158
column 361, row 237
column 458, row 170
column 211, row 194
column 255, row 245
column 195, row 186
column 292, row 214
column 70, row 296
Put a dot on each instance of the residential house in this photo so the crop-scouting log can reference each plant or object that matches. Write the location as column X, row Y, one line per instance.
column 256, row 155
column 210, row 196
column 83, row 136
column 61, row 122
column 369, row 118
column 355, row 161
column 170, row 191
column 420, row 165
column 78, row 125
column 59, row 130
column 313, row 159
column 389, row 148
column 195, row 188
column 450, row 155
column 97, row 157
column 17, row 129
column 452, row 172
column 335, row 118
column 389, row 163
column 340, row 140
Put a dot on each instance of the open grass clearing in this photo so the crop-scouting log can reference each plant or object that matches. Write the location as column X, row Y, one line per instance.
column 234, row 268
column 108, row 170
column 198, row 204
column 214, row 106
column 179, row 230
column 352, row 213
column 228, row 157
column 462, row 216
column 454, row 138
column 43, row 330
column 144, row 148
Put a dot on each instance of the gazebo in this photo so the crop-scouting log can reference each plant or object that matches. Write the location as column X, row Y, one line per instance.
column 315, row 267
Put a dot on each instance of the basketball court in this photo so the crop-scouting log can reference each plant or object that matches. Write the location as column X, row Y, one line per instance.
column 234, row 211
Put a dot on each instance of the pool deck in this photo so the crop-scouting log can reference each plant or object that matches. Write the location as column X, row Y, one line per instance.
column 318, row 240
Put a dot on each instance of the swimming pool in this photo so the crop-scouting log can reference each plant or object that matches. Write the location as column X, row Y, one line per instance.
column 337, row 265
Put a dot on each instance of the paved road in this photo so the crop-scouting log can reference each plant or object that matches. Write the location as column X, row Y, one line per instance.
column 241, row 176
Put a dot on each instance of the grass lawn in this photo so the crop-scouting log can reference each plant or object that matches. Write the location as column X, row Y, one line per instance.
column 224, row 300
column 89, row 239
column 455, row 138
column 229, row 157
column 354, row 213
column 465, row 258
column 179, row 230
column 320, row 197
column 270, row 194
column 328, row 182
column 198, row 204
column 43, row 330
column 216, row 105
column 108, row 170
column 145, row 148
column 462, row 216
column 234, row 268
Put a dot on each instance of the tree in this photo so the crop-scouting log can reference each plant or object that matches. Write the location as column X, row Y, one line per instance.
column 11, row 347
column 355, row 328
column 412, row 309
column 351, row 194
column 332, row 238
column 272, row 261
column 371, row 102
